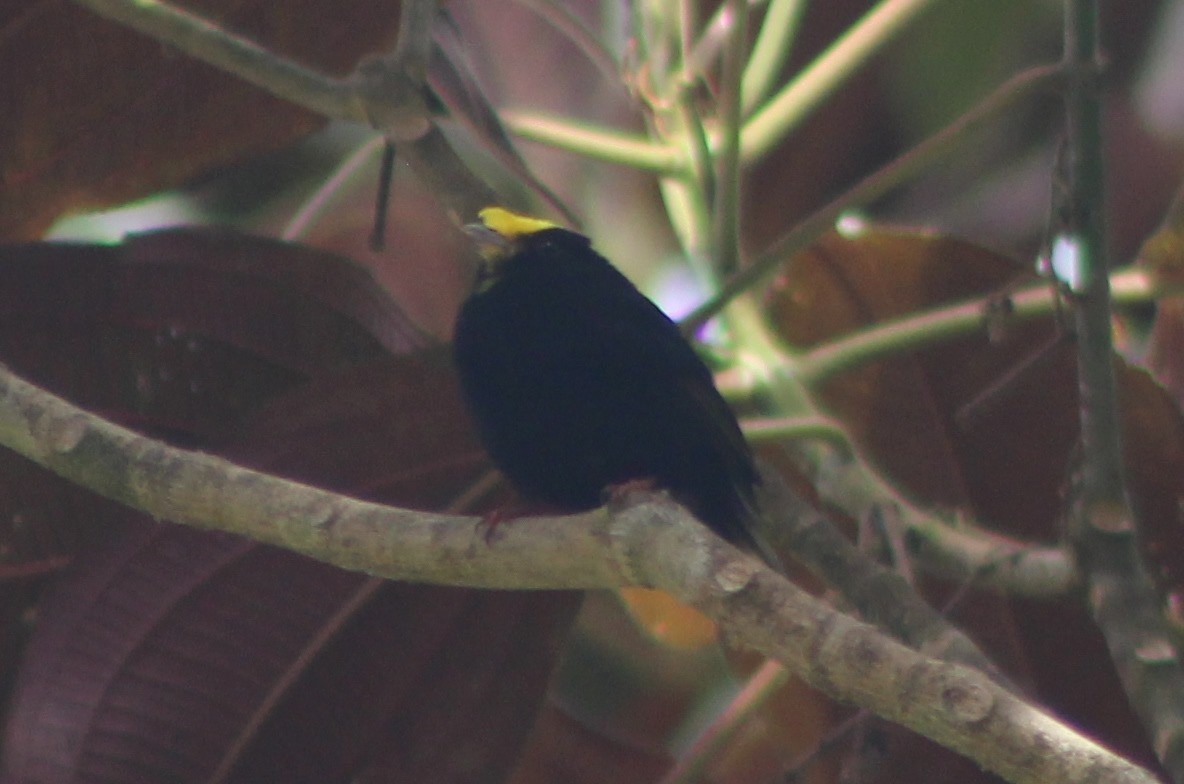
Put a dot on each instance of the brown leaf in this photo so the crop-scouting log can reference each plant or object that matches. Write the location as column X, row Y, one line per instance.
column 1008, row 465
column 180, row 334
column 667, row 620
column 564, row 749
column 902, row 411
column 171, row 654
column 103, row 115
column 1162, row 255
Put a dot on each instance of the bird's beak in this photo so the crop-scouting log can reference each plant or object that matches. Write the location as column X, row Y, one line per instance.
column 490, row 244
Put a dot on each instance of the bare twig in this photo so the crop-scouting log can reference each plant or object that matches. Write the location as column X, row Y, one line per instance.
column 946, row 545
column 1102, row 526
column 882, row 597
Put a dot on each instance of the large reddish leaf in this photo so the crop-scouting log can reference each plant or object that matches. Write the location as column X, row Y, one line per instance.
column 181, row 334
column 1007, row 461
column 172, row 654
column 210, row 651
column 563, row 749
column 839, row 285
column 102, row 115
column 458, row 674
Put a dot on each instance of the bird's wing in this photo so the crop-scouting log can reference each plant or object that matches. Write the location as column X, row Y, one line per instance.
column 652, row 340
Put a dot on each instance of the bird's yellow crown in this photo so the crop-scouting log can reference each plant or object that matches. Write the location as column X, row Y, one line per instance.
column 512, row 225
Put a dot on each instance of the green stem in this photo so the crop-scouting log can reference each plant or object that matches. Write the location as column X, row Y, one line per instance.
column 726, row 234
column 787, row 109
column 919, row 330
column 875, row 185
column 605, row 144
column 771, row 50
column 771, row 429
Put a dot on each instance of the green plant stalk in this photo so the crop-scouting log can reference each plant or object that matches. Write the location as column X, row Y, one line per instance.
column 726, row 224
column 688, row 23
column 943, row 543
column 686, row 197
column 873, row 186
column 919, row 330
column 786, row 110
column 597, row 142
column 768, row 429
column 688, row 214
column 677, row 121
column 771, row 50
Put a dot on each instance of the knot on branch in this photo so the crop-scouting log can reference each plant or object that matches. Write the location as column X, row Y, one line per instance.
column 967, row 697
column 393, row 102
column 661, row 545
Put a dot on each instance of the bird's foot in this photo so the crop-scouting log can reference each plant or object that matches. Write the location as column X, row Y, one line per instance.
column 496, row 519
column 488, row 525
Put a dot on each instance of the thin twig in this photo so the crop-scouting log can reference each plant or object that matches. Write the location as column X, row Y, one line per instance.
column 382, row 201
column 597, row 142
column 881, row 595
column 771, row 50
column 1102, row 526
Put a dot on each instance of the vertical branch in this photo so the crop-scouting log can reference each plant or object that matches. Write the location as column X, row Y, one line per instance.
column 726, row 233
column 1121, row 594
column 1083, row 240
column 770, row 52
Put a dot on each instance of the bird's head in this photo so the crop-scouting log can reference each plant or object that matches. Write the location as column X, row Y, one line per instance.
column 502, row 235
column 500, row 232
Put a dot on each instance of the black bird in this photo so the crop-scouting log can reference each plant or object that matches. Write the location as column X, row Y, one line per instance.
column 578, row 382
